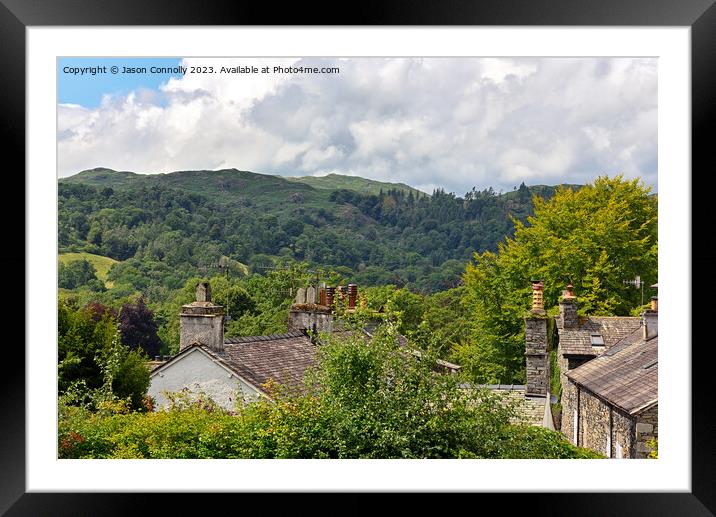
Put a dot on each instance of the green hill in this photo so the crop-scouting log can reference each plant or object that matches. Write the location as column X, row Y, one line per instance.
column 358, row 184
column 226, row 186
column 100, row 263
column 166, row 227
column 103, row 177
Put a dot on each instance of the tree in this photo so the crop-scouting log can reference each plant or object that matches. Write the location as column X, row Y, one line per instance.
column 595, row 237
column 138, row 328
column 78, row 273
column 232, row 296
column 91, row 359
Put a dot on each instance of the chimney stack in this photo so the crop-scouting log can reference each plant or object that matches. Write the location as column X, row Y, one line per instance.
column 536, row 345
column 311, row 310
column 568, row 318
column 202, row 322
column 650, row 320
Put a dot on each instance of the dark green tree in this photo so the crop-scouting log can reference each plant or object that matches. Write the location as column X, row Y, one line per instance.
column 138, row 328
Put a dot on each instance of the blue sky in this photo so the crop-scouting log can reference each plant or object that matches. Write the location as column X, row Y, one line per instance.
column 87, row 90
column 454, row 123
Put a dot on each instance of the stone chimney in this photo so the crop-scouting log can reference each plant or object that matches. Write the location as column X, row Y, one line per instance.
column 568, row 318
column 536, row 344
column 307, row 313
column 650, row 319
column 202, row 322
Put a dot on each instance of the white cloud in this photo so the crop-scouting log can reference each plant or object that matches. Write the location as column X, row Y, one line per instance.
column 450, row 122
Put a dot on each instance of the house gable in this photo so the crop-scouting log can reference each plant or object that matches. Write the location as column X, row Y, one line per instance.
column 198, row 370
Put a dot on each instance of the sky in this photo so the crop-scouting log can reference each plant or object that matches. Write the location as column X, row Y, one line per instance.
column 452, row 123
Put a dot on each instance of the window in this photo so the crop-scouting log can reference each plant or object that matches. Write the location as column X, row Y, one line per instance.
column 619, row 449
column 609, row 445
column 596, row 339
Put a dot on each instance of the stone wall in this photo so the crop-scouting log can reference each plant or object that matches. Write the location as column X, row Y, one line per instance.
column 569, row 402
column 647, row 428
column 594, row 416
column 622, row 434
column 593, row 423
column 528, row 410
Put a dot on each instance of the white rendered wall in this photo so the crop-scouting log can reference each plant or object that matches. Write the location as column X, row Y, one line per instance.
column 198, row 372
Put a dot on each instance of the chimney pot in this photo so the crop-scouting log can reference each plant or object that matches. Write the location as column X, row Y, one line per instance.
column 203, row 292
column 654, row 303
column 322, row 297
column 352, row 295
column 537, row 295
column 330, row 294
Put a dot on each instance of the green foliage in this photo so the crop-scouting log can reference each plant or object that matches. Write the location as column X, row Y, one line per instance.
column 596, row 238
column 93, row 366
column 167, row 228
column 101, row 264
column 366, row 399
column 78, row 273
column 355, row 183
column 524, row 442
column 653, row 444
column 138, row 328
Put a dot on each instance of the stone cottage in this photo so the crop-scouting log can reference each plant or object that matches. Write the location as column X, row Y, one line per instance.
column 231, row 370
column 237, row 369
column 609, row 376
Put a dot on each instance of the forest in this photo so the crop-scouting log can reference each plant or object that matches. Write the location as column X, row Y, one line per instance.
column 163, row 232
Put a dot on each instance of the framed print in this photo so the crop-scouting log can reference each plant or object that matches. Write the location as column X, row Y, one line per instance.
column 391, row 102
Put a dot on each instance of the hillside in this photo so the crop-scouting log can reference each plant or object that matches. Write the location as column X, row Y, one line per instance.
column 166, row 227
column 101, row 264
column 355, row 183
column 229, row 186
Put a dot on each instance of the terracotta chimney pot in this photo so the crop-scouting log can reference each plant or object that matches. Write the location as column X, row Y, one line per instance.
column 537, row 295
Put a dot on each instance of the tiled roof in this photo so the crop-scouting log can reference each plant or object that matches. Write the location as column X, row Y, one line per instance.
column 613, row 329
column 625, row 376
column 281, row 357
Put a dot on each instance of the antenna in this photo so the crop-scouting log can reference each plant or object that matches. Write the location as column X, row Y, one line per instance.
column 638, row 284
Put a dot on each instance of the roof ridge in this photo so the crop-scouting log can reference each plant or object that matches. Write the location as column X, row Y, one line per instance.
column 266, row 337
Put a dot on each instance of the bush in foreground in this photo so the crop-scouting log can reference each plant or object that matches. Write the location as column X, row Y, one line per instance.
column 367, row 399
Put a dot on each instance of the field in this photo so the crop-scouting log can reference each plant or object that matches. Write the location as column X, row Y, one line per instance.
column 100, row 263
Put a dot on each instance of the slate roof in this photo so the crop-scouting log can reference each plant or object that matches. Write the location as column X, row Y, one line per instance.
column 625, row 376
column 284, row 358
column 281, row 357
column 613, row 329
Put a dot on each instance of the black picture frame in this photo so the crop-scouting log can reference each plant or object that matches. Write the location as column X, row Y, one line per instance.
column 700, row 15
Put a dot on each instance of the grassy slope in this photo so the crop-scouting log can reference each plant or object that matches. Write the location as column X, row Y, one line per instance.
column 228, row 186
column 100, row 263
column 362, row 185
